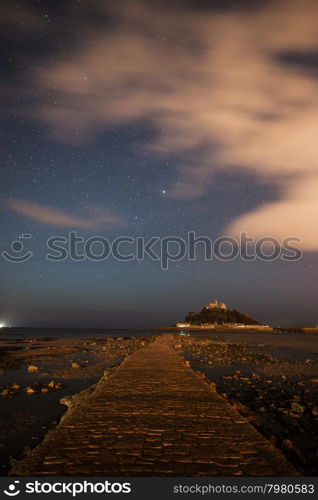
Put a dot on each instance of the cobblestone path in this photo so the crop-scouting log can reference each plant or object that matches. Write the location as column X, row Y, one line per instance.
column 154, row 416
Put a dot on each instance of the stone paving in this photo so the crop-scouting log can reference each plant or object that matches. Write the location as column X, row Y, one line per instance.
column 154, row 416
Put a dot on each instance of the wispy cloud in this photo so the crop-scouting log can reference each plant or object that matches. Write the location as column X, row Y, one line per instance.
column 96, row 217
column 218, row 88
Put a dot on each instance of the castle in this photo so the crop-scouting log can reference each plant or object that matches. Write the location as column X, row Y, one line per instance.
column 216, row 305
column 217, row 314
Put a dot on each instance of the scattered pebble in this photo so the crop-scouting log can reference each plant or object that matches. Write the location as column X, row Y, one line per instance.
column 29, row 390
column 33, row 368
column 279, row 397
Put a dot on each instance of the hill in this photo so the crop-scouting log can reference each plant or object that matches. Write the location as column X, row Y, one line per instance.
column 218, row 313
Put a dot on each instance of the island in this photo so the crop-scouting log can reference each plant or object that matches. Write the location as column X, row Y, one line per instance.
column 218, row 315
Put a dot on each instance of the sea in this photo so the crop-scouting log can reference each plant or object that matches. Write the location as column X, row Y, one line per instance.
column 59, row 333
column 296, row 340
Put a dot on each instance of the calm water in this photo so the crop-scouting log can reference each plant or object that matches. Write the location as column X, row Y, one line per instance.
column 303, row 341
column 42, row 333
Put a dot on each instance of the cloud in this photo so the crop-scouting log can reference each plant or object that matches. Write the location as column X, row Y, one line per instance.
column 97, row 217
column 216, row 90
column 295, row 215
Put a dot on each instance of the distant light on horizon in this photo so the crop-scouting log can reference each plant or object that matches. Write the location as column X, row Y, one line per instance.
column 2, row 325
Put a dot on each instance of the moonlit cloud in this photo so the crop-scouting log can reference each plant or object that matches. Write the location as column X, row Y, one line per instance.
column 294, row 215
column 97, row 217
column 218, row 88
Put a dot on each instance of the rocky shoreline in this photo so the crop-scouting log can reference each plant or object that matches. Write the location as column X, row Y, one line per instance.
column 40, row 378
column 278, row 396
column 272, row 386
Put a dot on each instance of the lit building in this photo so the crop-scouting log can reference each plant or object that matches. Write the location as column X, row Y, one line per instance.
column 216, row 305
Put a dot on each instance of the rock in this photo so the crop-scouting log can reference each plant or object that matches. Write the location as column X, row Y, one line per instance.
column 67, row 401
column 297, row 408
column 15, row 387
column 33, row 368
column 29, row 390
column 75, row 365
column 314, row 380
column 54, row 385
column 44, row 389
column 212, row 385
column 296, row 397
column 273, row 440
column 287, row 444
column 5, row 393
column 240, row 407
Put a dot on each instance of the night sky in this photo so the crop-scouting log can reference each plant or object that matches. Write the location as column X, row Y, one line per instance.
column 157, row 118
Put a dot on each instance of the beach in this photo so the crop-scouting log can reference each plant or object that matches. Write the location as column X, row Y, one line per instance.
column 270, row 379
